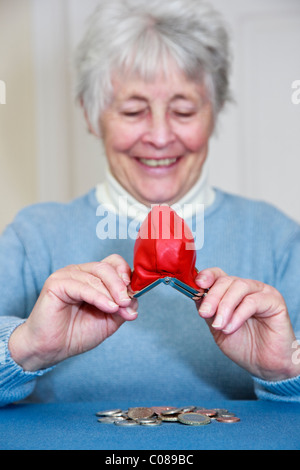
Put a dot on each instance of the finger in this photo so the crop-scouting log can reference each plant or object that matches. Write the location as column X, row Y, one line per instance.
column 259, row 305
column 122, row 267
column 238, row 290
column 72, row 291
column 207, row 277
column 210, row 303
column 101, row 276
column 107, row 274
column 130, row 313
column 246, row 310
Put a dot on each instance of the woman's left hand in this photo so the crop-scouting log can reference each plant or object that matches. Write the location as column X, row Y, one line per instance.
column 250, row 323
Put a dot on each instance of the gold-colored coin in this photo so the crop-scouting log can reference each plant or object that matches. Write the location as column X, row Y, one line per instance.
column 169, row 418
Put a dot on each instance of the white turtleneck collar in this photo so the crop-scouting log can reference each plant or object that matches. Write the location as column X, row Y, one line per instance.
column 112, row 195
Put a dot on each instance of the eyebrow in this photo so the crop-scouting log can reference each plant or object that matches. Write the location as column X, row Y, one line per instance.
column 181, row 97
column 135, row 98
column 143, row 98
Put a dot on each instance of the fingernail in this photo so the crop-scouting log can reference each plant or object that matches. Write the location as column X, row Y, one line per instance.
column 126, row 279
column 202, row 278
column 218, row 322
column 131, row 311
column 228, row 328
column 112, row 304
column 205, row 308
column 124, row 295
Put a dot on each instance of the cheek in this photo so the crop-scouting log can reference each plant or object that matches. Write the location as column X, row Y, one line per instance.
column 194, row 138
column 122, row 138
column 197, row 134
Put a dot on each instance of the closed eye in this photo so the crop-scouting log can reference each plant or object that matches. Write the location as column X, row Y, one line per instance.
column 133, row 113
column 183, row 114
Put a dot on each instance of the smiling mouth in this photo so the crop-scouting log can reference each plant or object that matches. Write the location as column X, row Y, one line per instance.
column 155, row 163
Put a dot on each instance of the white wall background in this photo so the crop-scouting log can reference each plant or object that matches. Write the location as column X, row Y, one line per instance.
column 18, row 155
column 256, row 152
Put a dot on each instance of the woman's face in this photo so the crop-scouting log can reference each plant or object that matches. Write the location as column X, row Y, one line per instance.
column 156, row 135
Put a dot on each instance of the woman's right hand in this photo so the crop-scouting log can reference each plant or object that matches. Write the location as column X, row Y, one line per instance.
column 78, row 308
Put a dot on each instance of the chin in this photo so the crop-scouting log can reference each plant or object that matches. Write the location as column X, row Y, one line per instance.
column 156, row 192
column 159, row 199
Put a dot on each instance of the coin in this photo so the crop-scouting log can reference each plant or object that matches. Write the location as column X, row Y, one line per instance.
column 169, row 418
column 221, row 410
column 206, row 412
column 140, row 412
column 126, row 422
column 156, row 415
column 121, row 417
column 107, row 419
column 174, row 411
column 146, row 420
column 193, row 419
column 109, row 412
column 157, row 422
column 160, row 409
column 187, row 409
column 229, row 419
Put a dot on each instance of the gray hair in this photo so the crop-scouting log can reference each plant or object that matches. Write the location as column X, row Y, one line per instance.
column 140, row 36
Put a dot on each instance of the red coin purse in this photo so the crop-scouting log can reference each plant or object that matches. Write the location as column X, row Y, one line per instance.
column 164, row 251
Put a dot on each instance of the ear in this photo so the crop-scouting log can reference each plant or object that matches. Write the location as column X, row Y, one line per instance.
column 89, row 125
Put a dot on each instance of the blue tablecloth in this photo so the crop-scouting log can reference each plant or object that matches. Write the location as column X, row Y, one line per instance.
column 264, row 425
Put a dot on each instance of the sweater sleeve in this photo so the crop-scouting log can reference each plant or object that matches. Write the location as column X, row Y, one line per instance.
column 15, row 383
column 19, row 292
column 284, row 390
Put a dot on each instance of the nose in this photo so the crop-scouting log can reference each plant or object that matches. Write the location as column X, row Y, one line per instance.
column 159, row 132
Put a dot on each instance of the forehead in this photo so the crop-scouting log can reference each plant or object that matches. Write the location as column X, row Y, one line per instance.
column 175, row 85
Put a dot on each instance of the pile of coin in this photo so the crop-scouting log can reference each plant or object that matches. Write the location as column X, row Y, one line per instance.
column 156, row 415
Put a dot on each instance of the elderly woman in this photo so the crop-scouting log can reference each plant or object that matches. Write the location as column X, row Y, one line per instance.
column 152, row 78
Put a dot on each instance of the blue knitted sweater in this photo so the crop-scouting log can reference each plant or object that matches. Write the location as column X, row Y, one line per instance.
column 168, row 352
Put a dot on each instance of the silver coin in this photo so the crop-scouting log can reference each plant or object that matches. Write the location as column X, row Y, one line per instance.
column 147, row 420
column 120, row 418
column 193, row 419
column 126, row 422
column 174, row 411
column 160, row 409
column 109, row 412
column 187, row 409
column 220, row 410
column 107, row 419
column 156, row 422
